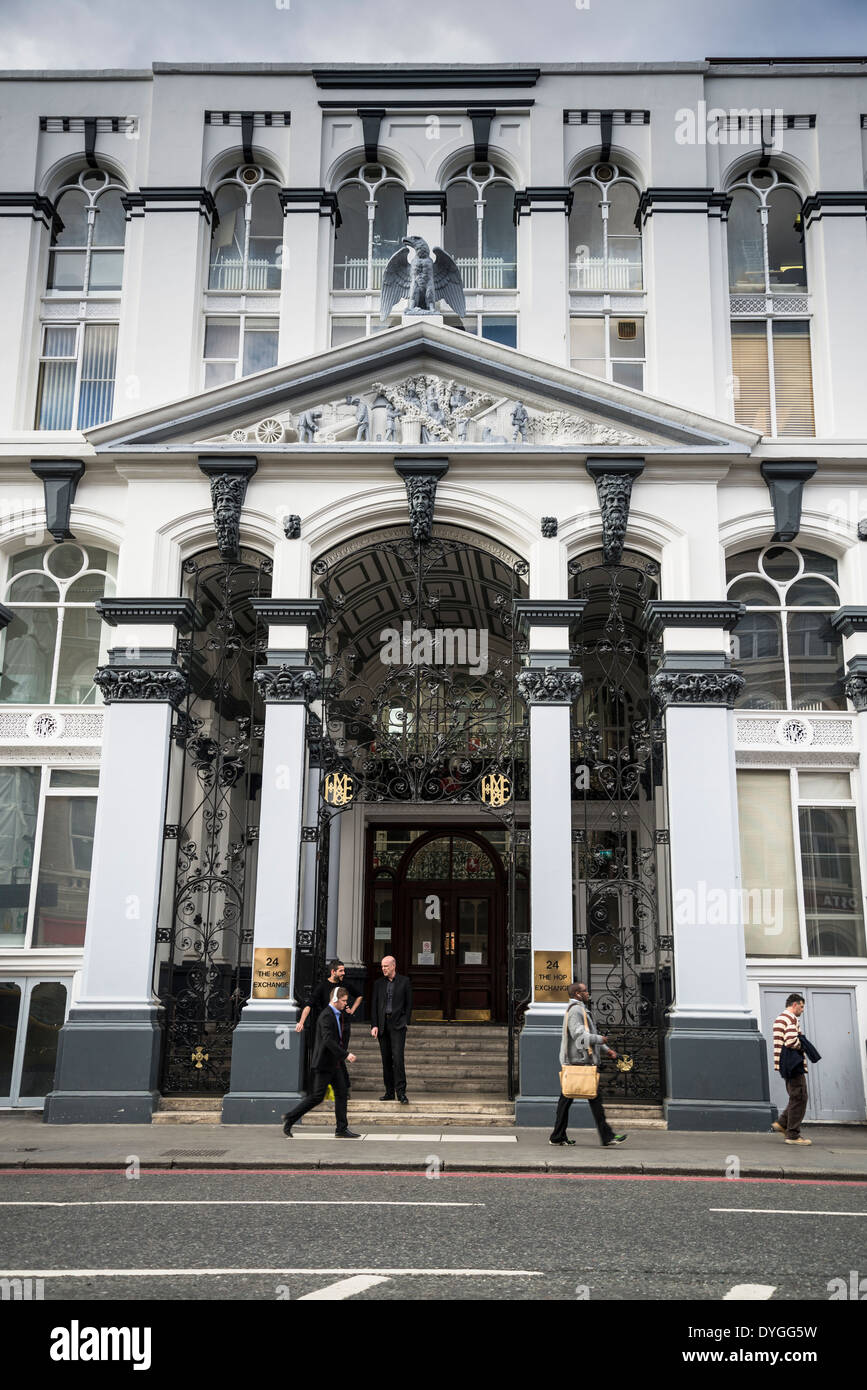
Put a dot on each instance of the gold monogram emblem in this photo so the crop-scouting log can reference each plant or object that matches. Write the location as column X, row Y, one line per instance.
column 496, row 789
column 624, row 1063
column 339, row 789
column 199, row 1057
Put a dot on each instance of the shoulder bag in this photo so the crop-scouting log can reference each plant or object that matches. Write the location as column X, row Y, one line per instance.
column 578, row 1083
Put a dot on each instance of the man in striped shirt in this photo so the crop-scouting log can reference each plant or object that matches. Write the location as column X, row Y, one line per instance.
column 788, row 1034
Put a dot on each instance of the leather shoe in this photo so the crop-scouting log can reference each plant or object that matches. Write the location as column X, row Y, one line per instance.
column 387, row 1096
column 346, row 1134
column 287, row 1129
column 403, row 1100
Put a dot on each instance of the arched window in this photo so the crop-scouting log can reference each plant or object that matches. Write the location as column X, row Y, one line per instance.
column 371, row 226
column 78, row 358
column 604, row 242
column 785, row 646
column 88, row 235
column 771, row 366
column 52, row 645
column 604, row 257
column 480, row 228
column 247, row 235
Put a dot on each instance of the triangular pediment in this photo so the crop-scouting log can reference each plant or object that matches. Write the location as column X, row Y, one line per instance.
column 420, row 385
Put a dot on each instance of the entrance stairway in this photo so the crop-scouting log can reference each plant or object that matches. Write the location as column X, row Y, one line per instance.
column 456, row 1075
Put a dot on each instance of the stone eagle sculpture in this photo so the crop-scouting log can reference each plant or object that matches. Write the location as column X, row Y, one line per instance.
column 422, row 280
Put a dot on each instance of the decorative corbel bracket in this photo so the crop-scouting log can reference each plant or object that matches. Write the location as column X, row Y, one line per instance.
column 786, row 485
column 614, row 478
column 229, row 478
column 60, row 479
column 421, row 477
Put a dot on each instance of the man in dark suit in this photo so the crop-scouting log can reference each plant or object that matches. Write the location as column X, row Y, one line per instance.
column 392, row 1013
column 330, row 1055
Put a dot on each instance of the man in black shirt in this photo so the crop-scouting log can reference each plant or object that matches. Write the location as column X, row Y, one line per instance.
column 323, row 992
column 391, row 1012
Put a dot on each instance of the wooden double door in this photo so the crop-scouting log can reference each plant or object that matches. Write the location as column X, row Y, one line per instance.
column 442, row 915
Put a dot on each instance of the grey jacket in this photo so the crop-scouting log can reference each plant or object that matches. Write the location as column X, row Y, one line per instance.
column 581, row 1047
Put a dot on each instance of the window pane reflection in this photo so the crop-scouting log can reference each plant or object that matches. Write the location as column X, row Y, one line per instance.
column 45, row 1019
column 833, row 905
column 64, row 871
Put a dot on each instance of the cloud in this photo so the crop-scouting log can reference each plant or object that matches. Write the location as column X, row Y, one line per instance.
column 134, row 33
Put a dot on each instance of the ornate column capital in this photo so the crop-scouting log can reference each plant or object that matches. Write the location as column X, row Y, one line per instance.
column 697, row 679
column 614, row 479
column 287, row 685
column 421, row 477
column 142, row 684
column 229, row 478
column 549, row 685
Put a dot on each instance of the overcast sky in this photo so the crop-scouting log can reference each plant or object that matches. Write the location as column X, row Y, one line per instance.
column 135, row 33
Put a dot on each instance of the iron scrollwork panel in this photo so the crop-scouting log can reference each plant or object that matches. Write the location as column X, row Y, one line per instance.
column 204, row 957
column 618, row 748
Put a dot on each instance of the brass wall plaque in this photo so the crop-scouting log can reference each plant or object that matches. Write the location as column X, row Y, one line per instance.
column 272, row 971
column 552, row 976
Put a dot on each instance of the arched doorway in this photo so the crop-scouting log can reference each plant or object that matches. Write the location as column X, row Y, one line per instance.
column 421, row 713
column 437, row 901
column 203, row 959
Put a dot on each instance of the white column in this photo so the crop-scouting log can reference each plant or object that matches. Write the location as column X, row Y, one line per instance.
column 308, row 225
column 24, row 219
column 680, row 338
column 267, row 1053
column 549, row 686
column 543, row 262
column 715, row 1056
column 109, row 1052
column 836, row 226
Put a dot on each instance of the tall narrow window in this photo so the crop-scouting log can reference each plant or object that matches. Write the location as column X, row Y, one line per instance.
column 604, row 241
column 77, row 358
column 771, row 363
column 247, row 235
column 480, row 228
column 370, row 228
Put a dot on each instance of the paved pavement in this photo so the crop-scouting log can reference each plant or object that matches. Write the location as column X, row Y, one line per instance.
column 837, row 1152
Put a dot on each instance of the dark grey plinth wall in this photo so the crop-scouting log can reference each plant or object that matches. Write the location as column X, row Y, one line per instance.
column 539, row 1055
column 709, row 1058
column 108, row 1064
column 267, row 1066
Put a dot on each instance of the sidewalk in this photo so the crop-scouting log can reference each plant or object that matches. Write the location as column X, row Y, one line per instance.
column 837, row 1152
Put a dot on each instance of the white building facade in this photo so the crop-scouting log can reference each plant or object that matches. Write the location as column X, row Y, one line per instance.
column 525, row 643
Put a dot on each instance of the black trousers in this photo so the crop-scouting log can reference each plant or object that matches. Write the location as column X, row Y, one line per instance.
column 597, row 1110
column 321, row 1081
column 392, row 1042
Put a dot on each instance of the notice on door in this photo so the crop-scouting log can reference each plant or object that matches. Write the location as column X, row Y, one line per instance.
column 552, row 976
column 272, row 969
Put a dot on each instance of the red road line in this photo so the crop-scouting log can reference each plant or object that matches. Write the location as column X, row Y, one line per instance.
column 416, row 1173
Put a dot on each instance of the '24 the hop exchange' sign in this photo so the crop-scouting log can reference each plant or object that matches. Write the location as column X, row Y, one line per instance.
column 272, row 971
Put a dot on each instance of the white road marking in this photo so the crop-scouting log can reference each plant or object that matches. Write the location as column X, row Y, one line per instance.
column 269, row 1270
column 749, row 1293
column 345, row 1288
column 239, row 1202
column 785, row 1211
column 474, row 1139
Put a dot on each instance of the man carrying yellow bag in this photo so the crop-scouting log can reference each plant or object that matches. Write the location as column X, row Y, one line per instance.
column 579, row 1068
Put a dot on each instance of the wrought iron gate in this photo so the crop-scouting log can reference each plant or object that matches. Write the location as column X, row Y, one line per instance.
column 621, row 861
column 407, row 726
column 203, row 959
